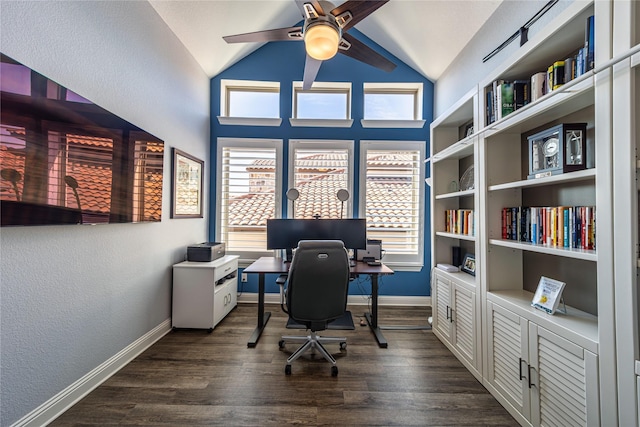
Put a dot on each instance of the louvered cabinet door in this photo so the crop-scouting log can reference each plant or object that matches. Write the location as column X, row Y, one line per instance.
column 464, row 325
column 442, row 309
column 507, row 341
column 565, row 381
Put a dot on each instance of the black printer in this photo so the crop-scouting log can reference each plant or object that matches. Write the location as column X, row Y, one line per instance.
column 205, row 251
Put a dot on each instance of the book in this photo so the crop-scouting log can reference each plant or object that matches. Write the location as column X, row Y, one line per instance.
column 548, row 295
column 589, row 44
column 521, row 94
column 538, row 85
column 558, row 74
column 505, row 104
column 549, row 79
column 569, row 69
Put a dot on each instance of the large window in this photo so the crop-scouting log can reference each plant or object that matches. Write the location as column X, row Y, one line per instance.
column 393, row 101
column 318, row 170
column 323, row 101
column 392, row 198
column 249, row 176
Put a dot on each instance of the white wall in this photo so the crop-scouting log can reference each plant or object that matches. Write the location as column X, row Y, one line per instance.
column 71, row 297
column 467, row 70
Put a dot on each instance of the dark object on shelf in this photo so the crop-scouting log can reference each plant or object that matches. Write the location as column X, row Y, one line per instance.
column 560, row 149
column 469, row 264
column 205, row 252
column 456, row 256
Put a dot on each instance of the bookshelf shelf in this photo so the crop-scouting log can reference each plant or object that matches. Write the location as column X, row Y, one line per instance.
column 584, row 175
column 462, row 148
column 456, row 236
column 465, row 193
column 583, row 254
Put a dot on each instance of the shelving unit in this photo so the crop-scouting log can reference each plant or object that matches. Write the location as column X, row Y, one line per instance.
column 626, row 161
column 455, row 296
column 527, row 356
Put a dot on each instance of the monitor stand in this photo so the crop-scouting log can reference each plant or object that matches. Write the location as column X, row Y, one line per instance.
column 288, row 255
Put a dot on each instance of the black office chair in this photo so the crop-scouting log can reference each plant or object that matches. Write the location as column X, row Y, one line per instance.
column 316, row 294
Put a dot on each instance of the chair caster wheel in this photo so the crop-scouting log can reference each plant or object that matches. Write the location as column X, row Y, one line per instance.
column 281, row 344
column 334, row 371
column 343, row 345
column 287, row 370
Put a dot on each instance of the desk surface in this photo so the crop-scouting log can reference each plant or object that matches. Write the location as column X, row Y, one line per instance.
column 277, row 265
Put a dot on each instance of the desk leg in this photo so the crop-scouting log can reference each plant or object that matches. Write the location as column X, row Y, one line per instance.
column 372, row 318
column 263, row 317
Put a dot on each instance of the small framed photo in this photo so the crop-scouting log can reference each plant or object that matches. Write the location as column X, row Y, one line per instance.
column 186, row 185
column 469, row 264
column 548, row 294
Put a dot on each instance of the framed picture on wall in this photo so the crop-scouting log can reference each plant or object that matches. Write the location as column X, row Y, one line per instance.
column 186, row 185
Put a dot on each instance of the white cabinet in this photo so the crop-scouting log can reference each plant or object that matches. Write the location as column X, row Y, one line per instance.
column 204, row 292
column 455, row 320
column 539, row 376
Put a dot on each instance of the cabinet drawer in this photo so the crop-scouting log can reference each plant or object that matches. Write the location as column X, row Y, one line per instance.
column 225, row 269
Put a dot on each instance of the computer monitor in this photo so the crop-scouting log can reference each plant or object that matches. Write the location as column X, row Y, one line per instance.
column 286, row 233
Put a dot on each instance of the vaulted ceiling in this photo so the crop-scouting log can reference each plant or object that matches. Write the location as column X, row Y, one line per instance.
column 425, row 34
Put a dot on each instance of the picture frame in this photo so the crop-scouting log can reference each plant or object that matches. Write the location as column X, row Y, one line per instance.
column 186, row 185
column 469, row 264
column 548, row 295
column 468, row 130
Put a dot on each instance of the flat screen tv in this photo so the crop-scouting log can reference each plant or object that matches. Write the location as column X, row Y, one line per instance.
column 65, row 160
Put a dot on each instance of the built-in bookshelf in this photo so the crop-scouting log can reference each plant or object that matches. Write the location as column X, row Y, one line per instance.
column 626, row 192
column 526, row 352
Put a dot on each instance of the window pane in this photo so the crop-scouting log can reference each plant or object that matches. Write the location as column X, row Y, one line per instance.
column 321, row 105
column 392, row 204
column 318, row 175
column 262, row 104
column 389, row 106
column 248, row 179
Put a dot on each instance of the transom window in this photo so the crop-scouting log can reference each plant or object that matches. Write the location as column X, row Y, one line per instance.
column 323, row 101
column 253, row 99
column 320, row 170
column 392, row 197
column 393, row 101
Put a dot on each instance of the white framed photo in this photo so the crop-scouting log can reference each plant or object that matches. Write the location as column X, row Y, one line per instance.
column 548, row 294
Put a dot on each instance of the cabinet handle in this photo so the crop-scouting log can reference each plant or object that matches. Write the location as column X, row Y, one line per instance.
column 451, row 318
column 520, row 368
column 529, row 371
column 448, row 313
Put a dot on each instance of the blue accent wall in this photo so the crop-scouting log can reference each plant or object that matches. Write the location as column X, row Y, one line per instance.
column 284, row 62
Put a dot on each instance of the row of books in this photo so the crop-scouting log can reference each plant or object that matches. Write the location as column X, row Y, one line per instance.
column 504, row 97
column 559, row 226
column 460, row 221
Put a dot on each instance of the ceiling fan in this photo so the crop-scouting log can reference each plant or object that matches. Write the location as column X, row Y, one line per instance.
column 324, row 35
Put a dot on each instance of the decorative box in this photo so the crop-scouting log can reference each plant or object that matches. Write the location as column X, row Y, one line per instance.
column 560, row 149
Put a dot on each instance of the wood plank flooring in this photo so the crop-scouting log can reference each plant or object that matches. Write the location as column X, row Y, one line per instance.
column 192, row 378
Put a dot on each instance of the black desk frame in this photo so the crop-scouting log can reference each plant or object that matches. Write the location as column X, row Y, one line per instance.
column 268, row 265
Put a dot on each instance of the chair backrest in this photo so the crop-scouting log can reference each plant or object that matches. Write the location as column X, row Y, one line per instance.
column 318, row 283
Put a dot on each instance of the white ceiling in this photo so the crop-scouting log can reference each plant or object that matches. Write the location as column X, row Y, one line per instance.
column 425, row 34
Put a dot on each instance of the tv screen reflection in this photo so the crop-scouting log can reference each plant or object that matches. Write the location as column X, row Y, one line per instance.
column 65, row 160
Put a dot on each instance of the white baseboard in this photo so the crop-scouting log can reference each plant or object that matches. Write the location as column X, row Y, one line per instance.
column 416, row 301
column 54, row 407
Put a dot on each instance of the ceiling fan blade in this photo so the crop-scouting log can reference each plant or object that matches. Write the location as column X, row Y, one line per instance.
column 311, row 68
column 363, row 53
column 280, row 34
column 359, row 10
column 314, row 3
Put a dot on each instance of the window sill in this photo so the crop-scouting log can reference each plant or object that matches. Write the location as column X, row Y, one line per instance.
column 248, row 121
column 392, row 123
column 323, row 123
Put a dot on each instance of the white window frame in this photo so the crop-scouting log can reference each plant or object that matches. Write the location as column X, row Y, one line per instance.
column 401, row 262
column 227, row 86
column 277, row 144
column 321, row 87
column 323, row 144
column 396, row 88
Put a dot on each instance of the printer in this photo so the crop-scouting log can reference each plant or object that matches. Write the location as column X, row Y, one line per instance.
column 205, row 251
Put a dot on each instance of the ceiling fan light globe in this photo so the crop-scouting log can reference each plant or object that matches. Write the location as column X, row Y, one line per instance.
column 321, row 42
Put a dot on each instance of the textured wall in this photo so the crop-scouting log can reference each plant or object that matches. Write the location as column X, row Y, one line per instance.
column 71, row 297
column 467, row 70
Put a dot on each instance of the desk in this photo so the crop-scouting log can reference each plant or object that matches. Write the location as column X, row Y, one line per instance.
column 271, row 265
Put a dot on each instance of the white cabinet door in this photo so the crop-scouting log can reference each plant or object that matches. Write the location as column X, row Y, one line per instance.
column 464, row 324
column 565, row 381
column 442, row 309
column 508, row 371
column 225, row 299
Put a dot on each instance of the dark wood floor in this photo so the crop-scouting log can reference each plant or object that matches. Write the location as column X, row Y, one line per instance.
column 193, row 378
